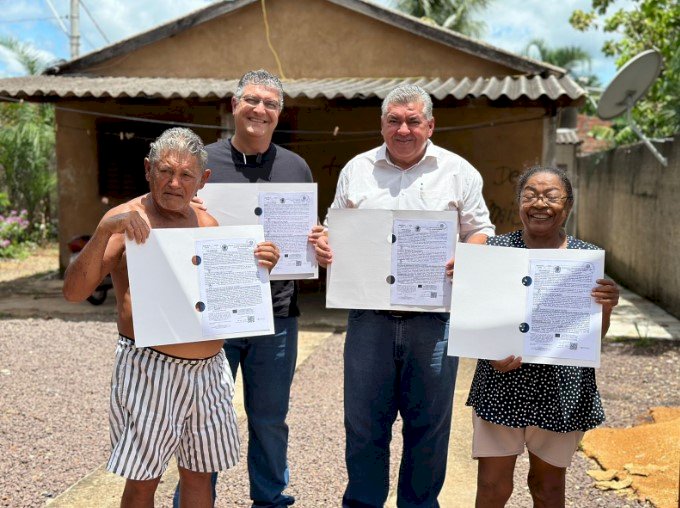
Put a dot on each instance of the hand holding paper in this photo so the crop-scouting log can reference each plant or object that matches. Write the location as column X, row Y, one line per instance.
column 606, row 294
column 317, row 232
column 507, row 364
column 449, row 268
column 129, row 223
column 267, row 255
column 197, row 284
column 199, row 203
column 388, row 259
column 323, row 251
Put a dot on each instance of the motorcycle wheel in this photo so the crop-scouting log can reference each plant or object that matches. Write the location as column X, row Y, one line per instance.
column 98, row 297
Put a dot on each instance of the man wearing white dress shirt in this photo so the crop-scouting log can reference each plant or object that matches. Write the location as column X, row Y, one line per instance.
column 395, row 361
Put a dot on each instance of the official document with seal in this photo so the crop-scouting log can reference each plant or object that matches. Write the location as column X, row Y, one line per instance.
column 231, row 287
column 560, row 309
column 194, row 284
column 420, row 251
column 376, row 250
column 287, row 218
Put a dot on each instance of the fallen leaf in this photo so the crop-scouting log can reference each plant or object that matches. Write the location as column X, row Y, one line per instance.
column 643, row 469
column 602, row 476
column 614, row 484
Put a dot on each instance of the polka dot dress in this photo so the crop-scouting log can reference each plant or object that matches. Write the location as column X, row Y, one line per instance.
column 553, row 397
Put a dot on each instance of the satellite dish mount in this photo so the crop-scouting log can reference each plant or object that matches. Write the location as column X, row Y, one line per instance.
column 628, row 86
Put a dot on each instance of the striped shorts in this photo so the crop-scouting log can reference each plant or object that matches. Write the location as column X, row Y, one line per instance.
column 161, row 405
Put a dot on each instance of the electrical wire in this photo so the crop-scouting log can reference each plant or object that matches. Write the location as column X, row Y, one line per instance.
column 29, row 20
column 99, row 29
column 269, row 42
column 58, row 18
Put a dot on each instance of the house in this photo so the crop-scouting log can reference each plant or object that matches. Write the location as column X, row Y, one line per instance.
column 337, row 58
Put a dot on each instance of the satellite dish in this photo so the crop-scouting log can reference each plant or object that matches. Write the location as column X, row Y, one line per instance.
column 628, row 86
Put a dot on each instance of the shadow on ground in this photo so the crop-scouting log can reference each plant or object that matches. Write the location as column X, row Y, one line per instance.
column 40, row 296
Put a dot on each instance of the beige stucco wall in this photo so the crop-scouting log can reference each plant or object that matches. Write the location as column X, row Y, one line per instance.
column 628, row 204
column 313, row 38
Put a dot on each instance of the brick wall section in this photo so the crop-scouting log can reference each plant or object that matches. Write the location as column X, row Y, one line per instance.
column 584, row 126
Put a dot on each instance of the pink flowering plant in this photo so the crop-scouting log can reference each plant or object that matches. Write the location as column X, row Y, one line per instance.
column 14, row 234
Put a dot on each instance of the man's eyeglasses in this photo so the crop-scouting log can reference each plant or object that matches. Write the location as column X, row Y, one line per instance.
column 530, row 199
column 253, row 101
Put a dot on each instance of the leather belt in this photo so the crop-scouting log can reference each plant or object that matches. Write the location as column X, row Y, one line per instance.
column 398, row 314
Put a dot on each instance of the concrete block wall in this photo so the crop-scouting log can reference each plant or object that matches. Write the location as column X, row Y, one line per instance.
column 629, row 204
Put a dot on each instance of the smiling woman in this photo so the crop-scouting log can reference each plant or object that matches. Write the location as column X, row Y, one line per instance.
column 546, row 198
column 546, row 408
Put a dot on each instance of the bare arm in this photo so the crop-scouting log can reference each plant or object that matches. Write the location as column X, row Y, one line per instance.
column 478, row 239
column 103, row 252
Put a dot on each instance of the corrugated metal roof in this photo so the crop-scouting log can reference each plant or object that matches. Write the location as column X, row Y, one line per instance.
column 567, row 137
column 52, row 88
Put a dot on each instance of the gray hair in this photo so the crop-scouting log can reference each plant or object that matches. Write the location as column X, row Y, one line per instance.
column 404, row 94
column 180, row 140
column 535, row 170
column 260, row 77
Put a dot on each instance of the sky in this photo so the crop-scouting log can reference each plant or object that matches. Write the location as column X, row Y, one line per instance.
column 511, row 24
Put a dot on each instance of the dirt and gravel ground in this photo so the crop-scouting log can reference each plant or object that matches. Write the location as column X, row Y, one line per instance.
column 54, row 377
column 42, row 261
column 54, row 382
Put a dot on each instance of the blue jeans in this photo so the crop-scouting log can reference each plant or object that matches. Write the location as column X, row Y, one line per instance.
column 397, row 365
column 268, row 365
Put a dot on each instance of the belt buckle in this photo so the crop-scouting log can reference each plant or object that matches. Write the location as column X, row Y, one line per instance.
column 399, row 314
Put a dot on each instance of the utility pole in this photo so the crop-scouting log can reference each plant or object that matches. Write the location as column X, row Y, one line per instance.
column 75, row 29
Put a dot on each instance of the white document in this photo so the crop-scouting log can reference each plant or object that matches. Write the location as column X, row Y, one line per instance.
column 501, row 295
column 560, row 309
column 288, row 217
column 361, row 274
column 419, row 255
column 255, row 203
column 232, row 287
column 168, row 306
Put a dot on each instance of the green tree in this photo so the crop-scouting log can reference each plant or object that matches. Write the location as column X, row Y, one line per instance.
column 27, row 157
column 27, row 144
column 571, row 58
column 649, row 24
column 455, row 15
column 575, row 60
column 29, row 58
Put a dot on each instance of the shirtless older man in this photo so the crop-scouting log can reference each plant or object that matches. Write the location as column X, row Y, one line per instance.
column 174, row 398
